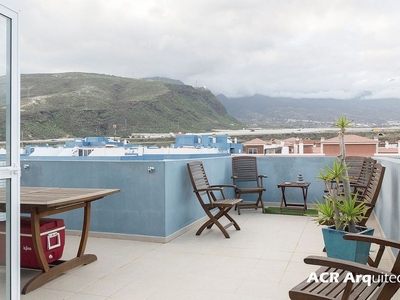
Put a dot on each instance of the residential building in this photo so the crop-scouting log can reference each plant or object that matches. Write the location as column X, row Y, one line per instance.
column 255, row 146
column 355, row 146
column 221, row 142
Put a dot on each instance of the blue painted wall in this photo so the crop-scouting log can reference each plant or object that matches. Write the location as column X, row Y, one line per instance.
column 160, row 203
column 218, row 141
column 286, row 168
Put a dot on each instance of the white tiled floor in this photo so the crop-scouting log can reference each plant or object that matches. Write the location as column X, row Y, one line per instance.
column 261, row 261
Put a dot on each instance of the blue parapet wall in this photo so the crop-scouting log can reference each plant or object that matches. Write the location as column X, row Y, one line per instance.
column 160, row 203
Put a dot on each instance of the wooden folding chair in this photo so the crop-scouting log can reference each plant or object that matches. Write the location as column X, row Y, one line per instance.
column 341, row 286
column 360, row 182
column 206, row 194
column 371, row 191
column 359, row 171
column 355, row 165
column 247, row 181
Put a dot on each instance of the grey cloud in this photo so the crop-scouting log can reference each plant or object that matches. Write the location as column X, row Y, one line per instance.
column 307, row 48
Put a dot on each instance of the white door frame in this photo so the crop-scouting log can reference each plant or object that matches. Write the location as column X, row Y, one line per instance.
column 11, row 172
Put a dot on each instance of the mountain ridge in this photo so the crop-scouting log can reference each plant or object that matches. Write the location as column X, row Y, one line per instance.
column 79, row 104
column 265, row 111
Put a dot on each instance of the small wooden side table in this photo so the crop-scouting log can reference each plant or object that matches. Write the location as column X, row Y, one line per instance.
column 304, row 187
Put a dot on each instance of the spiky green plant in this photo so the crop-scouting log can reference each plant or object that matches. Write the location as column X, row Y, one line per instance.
column 351, row 211
column 332, row 178
column 337, row 173
column 340, row 207
column 326, row 211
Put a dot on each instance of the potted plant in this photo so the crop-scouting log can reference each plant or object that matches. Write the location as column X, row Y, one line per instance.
column 341, row 211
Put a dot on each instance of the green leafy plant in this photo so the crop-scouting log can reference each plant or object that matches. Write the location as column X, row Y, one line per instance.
column 340, row 207
column 351, row 212
column 326, row 212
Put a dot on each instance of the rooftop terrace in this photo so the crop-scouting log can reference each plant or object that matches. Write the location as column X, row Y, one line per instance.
column 145, row 239
column 262, row 261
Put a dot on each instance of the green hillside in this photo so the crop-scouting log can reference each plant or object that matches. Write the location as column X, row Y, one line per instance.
column 82, row 104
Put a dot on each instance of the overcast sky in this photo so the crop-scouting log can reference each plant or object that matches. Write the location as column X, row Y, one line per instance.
column 298, row 48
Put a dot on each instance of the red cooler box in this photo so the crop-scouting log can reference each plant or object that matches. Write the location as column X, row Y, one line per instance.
column 52, row 234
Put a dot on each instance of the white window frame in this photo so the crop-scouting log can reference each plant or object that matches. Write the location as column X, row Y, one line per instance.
column 12, row 172
column 252, row 150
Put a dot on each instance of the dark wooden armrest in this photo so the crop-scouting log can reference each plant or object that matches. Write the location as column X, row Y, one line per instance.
column 382, row 242
column 210, row 189
column 223, row 185
column 260, row 180
column 354, row 267
column 372, row 239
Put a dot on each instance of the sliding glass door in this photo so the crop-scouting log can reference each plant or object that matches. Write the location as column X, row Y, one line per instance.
column 9, row 156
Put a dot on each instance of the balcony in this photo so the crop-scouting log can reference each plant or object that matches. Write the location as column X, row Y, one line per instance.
column 145, row 239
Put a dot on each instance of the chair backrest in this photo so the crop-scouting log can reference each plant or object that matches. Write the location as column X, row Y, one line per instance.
column 355, row 164
column 198, row 176
column 365, row 174
column 244, row 168
column 372, row 190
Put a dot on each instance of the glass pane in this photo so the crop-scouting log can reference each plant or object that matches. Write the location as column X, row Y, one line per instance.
column 4, row 89
column 5, row 119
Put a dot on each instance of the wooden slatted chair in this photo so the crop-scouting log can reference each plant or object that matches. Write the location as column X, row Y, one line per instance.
column 364, row 176
column 371, row 191
column 355, row 164
column 357, row 175
column 247, row 181
column 207, row 196
column 343, row 289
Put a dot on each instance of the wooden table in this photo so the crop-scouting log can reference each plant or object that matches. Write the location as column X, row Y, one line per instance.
column 303, row 186
column 41, row 202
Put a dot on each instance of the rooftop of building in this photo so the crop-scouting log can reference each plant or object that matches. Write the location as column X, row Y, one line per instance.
column 263, row 260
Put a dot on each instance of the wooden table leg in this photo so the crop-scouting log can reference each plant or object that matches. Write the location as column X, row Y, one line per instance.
column 85, row 230
column 37, row 243
column 305, row 192
column 53, row 272
column 56, row 270
column 283, row 200
column 304, row 189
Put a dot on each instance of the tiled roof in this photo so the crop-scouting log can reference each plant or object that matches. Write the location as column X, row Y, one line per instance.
column 274, row 142
column 291, row 140
column 255, row 142
column 351, row 139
